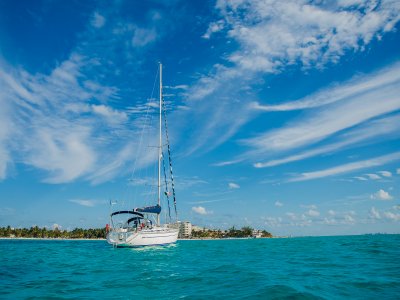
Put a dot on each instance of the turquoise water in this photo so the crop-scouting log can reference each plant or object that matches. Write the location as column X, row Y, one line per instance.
column 356, row 267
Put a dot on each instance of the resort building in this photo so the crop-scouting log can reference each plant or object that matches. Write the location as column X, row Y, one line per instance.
column 197, row 228
column 257, row 233
column 185, row 230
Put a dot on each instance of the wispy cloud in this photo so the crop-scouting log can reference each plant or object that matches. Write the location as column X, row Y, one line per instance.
column 373, row 176
column 383, row 128
column 278, row 204
column 143, row 36
column 110, row 114
column 392, row 216
column 233, row 185
column 98, row 20
column 350, row 167
column 374, row 213
column 325, row 34
column 87, row 202
column 206, row 201
column 214, row 27
column 356, row 86
column 61, row 123
column 323, row 123
column 385, row 173
column 275, row 34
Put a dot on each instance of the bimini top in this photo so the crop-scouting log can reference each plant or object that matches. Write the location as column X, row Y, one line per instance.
column 149, row 209
column 127, row 212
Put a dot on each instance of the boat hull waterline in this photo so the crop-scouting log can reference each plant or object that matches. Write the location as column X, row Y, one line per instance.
column 146, row 237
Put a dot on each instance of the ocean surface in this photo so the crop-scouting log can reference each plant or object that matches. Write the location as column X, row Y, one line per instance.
column 342, row 267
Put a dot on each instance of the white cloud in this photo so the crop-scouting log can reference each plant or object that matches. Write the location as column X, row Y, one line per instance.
column 65, row 154
column 178, row 87
column 200, row 210
column 392, row 216
column 5, row 133
column 273, row 221
column 382, row 195
column 98, row 20
column 112, row 115
column 320, row 124
column 373, row 176
column 313, row 213
column 233, row 185
column 340, row 218
column 350, row 167
column 50, row 122
column 356, row 86
column 398, row 171
column 329, row 221
column 88, row 203
column 385, row 173
column 374, row 213
column 348, row 219
column 300, row 220
column 213, row 28
column 278, row 204
column 278, row 33
column 360, row 178
column 386, row 127
column 270, row 39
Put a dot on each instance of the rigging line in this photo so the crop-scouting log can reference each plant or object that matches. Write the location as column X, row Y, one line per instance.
column 166, row 190
column 142, row 133
column 144, row 125
column 170, row 159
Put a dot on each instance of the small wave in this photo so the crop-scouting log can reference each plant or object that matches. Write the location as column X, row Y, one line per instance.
column 281, row 292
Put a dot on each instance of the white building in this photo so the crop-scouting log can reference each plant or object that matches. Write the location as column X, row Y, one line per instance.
column 197, row 228
column 185, row 229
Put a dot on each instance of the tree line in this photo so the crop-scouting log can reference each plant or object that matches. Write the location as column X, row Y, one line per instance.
column 232, row 232
column 37, row 232
column 99, row 233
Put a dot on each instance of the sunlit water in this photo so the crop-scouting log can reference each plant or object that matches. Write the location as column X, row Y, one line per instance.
column 356, row 267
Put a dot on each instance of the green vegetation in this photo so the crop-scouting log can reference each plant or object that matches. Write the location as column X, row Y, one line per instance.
column 36, row 232
column 230, row 233
column 99, row 233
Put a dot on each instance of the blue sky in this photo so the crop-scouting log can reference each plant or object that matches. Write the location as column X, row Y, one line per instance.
column 283, row 115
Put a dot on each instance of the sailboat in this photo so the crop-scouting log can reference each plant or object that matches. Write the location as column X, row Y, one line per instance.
column 138, row 229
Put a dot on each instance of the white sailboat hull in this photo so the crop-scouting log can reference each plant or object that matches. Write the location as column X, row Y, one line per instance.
column 146, row 237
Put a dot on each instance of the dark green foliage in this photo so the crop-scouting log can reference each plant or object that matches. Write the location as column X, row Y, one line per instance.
column 230, row 233
column 36, row 232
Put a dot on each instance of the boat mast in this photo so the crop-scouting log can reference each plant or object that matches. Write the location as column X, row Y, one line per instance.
column 159, row 149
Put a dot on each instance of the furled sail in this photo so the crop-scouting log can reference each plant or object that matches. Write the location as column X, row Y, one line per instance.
column 149, row 209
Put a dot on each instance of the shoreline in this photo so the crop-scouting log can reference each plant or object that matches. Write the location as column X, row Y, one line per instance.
column 49, row 239
column 103, row 239
column 194, row 239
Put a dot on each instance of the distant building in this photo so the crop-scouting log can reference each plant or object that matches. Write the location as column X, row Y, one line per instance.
column 185, row 230
column 257, row 233
column 197, row 228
